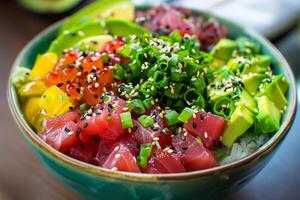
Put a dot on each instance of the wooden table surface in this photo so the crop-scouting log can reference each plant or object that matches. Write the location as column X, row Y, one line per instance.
column 22, row 176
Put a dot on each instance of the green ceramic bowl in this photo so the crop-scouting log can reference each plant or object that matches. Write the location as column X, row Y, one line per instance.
column 93, row 182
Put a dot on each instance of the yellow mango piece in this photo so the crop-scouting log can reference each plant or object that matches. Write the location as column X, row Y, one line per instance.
column 55, row 102
column 33, row 88
column 31, row 109
column 44, row 64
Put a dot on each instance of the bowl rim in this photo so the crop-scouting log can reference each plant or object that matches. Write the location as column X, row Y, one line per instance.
column 141, row 177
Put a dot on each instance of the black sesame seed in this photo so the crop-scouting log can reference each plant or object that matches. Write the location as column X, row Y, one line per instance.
column 201, row 117
column 67, row 130
column 78, row 132
column 85, row 125
column 59, row 84
column 194, row 125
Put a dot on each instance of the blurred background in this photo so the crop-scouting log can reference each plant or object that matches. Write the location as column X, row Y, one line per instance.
column 23, row 177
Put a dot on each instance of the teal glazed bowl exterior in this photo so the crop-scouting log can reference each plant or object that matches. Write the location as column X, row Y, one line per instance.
column 92, row 182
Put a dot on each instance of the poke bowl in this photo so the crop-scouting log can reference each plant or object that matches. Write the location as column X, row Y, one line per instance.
column 141, row 102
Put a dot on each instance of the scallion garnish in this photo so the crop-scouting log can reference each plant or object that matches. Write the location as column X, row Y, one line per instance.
column 145, row 153
column 82, row 107
column 126, row 120
column 186, row 114
column 137, row 106
column 146, row 121
column 171, row 117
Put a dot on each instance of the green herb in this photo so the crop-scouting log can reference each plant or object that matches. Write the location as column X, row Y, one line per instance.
column 145, row 153
column 82, row 107
column 186, row 114
column 171, row 117
column 146, row 121
column 137, row 106
column 126, row 120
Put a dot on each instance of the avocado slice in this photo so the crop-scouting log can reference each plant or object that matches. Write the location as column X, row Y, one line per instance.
column 115, row 27
column 259, row 64
column 262, row 60
column 282, row 83
column 94, row 43
column 252, row 82
column 46, row 6
column 247, row 100
column 99, row 10
column 274, row 92
column 247, row 46
column 123, row 28
column 70, row 38
column 268, row 117
column 224, row 49
column 241, row 120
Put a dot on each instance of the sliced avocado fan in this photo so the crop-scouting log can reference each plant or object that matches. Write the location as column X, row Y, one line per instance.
column 72, row 37
column 100, row 10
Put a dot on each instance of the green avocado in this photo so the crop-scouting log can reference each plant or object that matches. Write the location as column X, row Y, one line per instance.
column 241, row 120
column 101, row 10
column 268, row 117
column 274, row 92
column 70, row 38
column 224, row 49
column 262, row 60
column 124, row 28
column 46, row 6
column 94, row 43
column 74, row 36
column 260, row 64
column 247, row 100
column 247, row 46
column 282, row 83
column 252, row 82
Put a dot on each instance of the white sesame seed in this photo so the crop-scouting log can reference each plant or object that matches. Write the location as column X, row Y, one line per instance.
column 117, row 155
column 70, row 133
column 205, row 135
column 170, row 151
column 114, row 169
column 156, row 138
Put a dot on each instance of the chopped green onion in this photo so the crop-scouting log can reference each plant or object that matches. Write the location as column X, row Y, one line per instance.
column 186, row 114
column 105, row 97
column 160, row 79
column 125, row 51
column 82, row 107
column 199, row 102
column 119, row 72
column 224, row 107
column 174, row 91
column 146, row 121
column 137, row 106
column 148, row 103
column 163, row 65
column 126, row 120
column 171, row 117
column 199, row 84
column 148, row 88
column 145, row 153
column 191, row 95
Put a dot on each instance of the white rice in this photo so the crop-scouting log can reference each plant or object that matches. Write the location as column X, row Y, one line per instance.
column 243, row 147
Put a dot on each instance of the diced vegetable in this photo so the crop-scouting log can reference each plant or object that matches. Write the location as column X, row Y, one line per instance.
column 145, row 153
column 146, row 121
column 241, row 120
column 126, row 120
column 186, row 114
